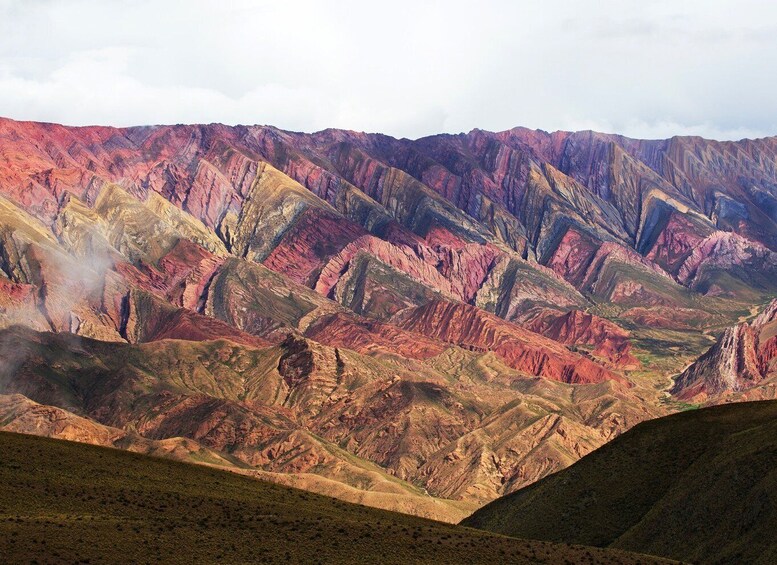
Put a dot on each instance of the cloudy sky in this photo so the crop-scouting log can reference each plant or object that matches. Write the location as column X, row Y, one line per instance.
column 406, row 68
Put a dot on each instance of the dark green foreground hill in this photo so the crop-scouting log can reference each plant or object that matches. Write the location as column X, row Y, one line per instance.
column 63, row 502
column 698, row 486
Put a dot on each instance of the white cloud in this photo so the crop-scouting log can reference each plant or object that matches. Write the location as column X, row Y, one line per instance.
column 644, row 69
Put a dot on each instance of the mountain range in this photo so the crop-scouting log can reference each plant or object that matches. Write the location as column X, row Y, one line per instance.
column 418, row 325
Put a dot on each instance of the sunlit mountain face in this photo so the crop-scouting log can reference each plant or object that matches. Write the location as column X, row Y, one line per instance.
column 421, row 326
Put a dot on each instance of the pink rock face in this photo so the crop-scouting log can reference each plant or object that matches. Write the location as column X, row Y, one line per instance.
column 471, row 328
column 188, row 269
column 19, row 305
column 180, row 277
column 305, row 249
column 147, row 318
column 208, row 171
column 467, row 267
column 315, row 325
column 17, row 292
column 401, row 257
column 610, row 341
column 446, row 211
column 369, row 336
column 620, row 275
column 189, row 326
column 767, row 353
column 740, row 360
column 455, row 272
column 725, row 250
column 438, row 236
column 675, row 243
column 573, row 255
column 732, row 364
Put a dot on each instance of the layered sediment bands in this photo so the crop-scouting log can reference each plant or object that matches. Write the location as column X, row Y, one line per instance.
column 739, row 364
column 309, row 243
column 573, row 256
column 371, row 336
column 251, row 297
column 506, row 186
column 72, row 295
column 669, row 237
column 208, row 171
column 147, row 318
column 181, row 277
column 370, row 287
column 609, row 340
column 331, row 413
column 18, row 232
column 730, row 365
column 453, row 272
column 357, row 311
column 707, row 266
column 515, row 291
column 618, row 275
column 402, row 258
column 138, row 230
column 415, row 205
column 188, row 271
column 468, row 268
column 273, row 205
column 219, row 394
column 472, row 328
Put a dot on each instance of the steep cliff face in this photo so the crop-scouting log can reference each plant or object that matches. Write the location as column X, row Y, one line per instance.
column 730, row 365
column 738, row 365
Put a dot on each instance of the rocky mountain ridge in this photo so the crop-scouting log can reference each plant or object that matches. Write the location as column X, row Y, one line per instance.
column 454, row 316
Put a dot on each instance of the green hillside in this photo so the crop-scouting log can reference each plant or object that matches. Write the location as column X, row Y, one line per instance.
column 64, row 502
column 698, row 486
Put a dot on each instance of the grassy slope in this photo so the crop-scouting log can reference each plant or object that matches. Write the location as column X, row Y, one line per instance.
column 68, row 502
column 699, row 486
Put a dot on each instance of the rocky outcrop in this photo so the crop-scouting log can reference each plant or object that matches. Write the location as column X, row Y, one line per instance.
column 402, row 258
column 147, row 318
column 740, row 362
column 476, row 330
column 609, row 340
column 515, row 291
column 370, row 336
column 729, row 365
column 724, row 251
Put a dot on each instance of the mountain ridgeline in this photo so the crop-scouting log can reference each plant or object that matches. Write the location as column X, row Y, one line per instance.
column 699, row 487
column 417, row 325
column 73, row 503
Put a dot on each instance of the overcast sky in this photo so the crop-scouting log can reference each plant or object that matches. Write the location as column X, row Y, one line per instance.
column 406, row 68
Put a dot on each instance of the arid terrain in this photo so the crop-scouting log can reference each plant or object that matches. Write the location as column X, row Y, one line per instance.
column 698, row 487
column 67, row 503
column 416, row 325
